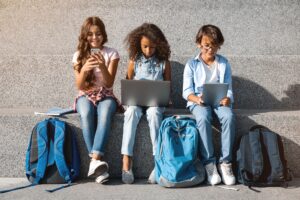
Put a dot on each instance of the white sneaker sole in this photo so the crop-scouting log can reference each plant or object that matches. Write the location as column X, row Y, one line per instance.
column 102, row 178
column 100, row 169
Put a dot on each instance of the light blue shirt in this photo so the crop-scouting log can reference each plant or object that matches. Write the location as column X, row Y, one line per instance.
column 194, row 77
column 148, row 68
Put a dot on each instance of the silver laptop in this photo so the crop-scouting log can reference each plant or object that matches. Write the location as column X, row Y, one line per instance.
column 145, row 92
column 213, row 93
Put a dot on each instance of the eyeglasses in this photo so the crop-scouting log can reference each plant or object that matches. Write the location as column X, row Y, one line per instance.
column 207, row 48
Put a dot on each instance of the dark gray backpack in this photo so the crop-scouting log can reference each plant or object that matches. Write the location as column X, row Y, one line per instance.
column 261, row 160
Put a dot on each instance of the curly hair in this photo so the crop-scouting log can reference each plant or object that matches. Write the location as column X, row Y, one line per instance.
column 151, row 31
column 84, row 48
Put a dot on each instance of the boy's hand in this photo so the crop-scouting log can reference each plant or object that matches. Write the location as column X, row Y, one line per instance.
column 225, row 101
column 200, row 100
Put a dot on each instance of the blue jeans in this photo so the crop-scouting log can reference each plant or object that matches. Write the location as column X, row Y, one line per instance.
column 132, row 117
column 95, row 122
column 203, row 115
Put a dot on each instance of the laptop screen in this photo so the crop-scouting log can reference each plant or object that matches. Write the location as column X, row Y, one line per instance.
column 145, row 92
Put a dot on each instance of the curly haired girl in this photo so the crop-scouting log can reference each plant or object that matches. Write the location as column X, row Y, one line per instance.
column 149, row 54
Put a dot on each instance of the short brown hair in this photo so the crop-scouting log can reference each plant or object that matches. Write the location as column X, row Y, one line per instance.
column 211, row 31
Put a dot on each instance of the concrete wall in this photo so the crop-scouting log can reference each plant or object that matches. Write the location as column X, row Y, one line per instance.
column 39, row 37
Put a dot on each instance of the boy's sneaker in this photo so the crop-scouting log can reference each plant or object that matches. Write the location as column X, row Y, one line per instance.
column 97, row 167
column 151, row 178
column 227, row 174
column 213, row 176
column 127, row 176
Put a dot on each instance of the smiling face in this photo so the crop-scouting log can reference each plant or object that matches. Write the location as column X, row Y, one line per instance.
column 148, row 47
column 95, row 37
column 208, row 47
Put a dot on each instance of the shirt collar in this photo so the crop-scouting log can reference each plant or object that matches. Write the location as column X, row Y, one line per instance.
column 145, row 60
column 198, row 58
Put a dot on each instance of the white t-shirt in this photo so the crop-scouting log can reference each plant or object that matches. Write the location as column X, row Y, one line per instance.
column 109, row 54
column 211, row 72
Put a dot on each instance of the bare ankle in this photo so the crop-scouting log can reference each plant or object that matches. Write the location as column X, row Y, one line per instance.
column 126, row 163
column 96, row 156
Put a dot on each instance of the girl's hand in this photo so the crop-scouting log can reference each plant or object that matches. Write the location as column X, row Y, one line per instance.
column 90, row 64
column 225, row 101
column 100, row 59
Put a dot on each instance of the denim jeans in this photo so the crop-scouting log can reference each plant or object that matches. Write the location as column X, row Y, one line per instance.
column 203, row 115
column 95, row 122
column 132, row 117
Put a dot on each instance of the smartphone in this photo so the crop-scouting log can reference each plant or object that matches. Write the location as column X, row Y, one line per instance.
column 94, row 50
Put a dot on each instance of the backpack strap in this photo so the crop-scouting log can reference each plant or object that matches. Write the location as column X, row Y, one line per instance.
column 42, row 141
column 59, row 157
column 27, row 159
column 17, row 188
column 75, row 165
column 271, row 145
column 256, row 152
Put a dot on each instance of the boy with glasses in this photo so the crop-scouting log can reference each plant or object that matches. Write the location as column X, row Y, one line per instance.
column 210, row 67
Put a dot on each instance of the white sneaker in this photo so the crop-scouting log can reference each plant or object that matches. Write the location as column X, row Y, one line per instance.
column 151, row 178
column 97, row 167
column 213, row 176
column 227, row 174
column 102, row 178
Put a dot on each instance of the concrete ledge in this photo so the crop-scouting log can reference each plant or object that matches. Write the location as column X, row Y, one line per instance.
column 16, row 126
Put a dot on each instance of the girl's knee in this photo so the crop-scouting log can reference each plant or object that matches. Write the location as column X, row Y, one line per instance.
column 85, row 112
column 154, row 112
column 133, row 111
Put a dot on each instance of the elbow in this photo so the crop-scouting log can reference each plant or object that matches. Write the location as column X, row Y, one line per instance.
column 109, row 84
column 80, row 86
column 185, row 95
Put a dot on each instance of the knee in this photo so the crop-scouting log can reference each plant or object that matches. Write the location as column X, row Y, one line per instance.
column 203, row 120
column 154, row 112
column 133, row 111
column 228, row 117
column 85, row 112
column 84, row 107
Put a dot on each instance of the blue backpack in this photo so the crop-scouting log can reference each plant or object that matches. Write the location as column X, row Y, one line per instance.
column 52, row 155
column 261, row 160
column 176, row 162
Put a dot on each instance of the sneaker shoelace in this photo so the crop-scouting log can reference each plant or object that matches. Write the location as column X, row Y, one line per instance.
column 228, row 170
column 211, row 170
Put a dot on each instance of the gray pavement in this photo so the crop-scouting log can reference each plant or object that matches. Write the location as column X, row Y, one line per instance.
column 114, row 189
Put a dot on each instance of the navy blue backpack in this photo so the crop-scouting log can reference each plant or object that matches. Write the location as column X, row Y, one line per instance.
column 52, row 155
column 176, row 158
column 261, row 160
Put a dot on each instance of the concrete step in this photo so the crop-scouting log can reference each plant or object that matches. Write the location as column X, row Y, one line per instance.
column 259, row 82
column 16, row 126
column 42, row 30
